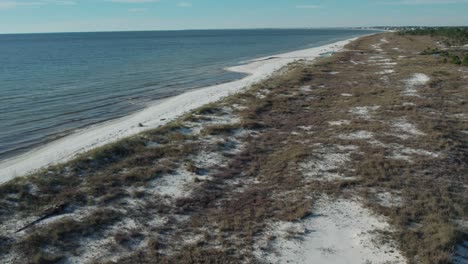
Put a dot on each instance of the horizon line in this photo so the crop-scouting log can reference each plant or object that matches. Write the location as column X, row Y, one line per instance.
column 187, row 29
column 213, row 29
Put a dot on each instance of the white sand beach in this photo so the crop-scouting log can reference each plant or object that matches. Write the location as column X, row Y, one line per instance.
column 154, row 116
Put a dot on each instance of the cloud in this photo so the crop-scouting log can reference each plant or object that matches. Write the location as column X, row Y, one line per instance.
column 133, row 1
column 184, row 4
column 9, row 4
column 14, row 4
column 61, row 2
column 307, row 6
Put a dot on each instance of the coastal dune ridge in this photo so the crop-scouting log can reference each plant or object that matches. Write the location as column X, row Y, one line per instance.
column 155, row 115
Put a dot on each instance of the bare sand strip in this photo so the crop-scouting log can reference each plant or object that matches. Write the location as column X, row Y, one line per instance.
column 154, row 116
column 339, row 232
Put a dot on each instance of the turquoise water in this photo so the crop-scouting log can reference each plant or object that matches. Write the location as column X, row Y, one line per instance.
column 53, row 84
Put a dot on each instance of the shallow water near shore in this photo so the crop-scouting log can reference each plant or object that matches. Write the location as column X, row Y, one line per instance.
column 53, row 84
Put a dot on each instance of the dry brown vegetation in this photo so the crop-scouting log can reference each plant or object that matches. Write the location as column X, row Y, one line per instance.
column 231, row 203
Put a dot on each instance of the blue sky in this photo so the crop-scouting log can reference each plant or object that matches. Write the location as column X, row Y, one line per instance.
column 111, row 15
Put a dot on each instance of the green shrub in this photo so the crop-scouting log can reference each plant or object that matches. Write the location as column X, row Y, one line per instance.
column 455, row 60
column 44, row 258
column 457, row 35
column 465, row 60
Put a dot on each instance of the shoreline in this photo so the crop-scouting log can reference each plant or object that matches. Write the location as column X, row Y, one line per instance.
column 155, row 115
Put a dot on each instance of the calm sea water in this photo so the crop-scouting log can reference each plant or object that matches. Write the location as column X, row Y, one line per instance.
column 52, row 84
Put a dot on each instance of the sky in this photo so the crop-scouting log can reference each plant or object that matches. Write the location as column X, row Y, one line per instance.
column 33, row 16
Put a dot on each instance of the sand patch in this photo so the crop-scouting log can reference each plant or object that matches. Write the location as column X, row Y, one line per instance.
column 357, row 135
column 407, row 129
column 387, row 199
column 305, row 88
column 365, row 112
column 386, row 72
column 92, row 249
column 377, row 47
column 325, row 164
column 357, row 62
column 306, row 128
column 339, row 232
column 461, row 116
column 403, row 153
column 388, row 64
column 411, row 84
column 173, row 185
column 339, row 122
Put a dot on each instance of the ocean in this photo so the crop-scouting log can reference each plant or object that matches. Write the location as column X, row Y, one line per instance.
column 54, row 84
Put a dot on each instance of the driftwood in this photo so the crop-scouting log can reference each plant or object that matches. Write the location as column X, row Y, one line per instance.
column 52, row 211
